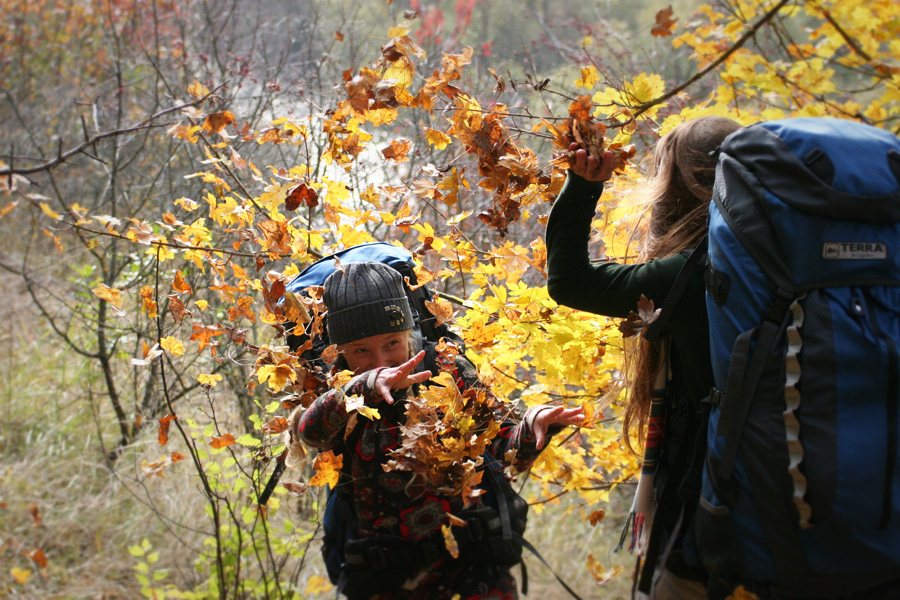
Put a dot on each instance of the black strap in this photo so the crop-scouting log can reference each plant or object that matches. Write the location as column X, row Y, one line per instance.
column 654, row 329
column 534, row 551
column 505, row 520
column 743, row 378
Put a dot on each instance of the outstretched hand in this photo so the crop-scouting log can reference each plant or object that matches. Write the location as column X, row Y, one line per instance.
column 558, row 415
column 400, row 377
column 589, row 167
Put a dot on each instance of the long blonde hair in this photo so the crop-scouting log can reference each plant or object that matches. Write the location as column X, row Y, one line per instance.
column 678, row 196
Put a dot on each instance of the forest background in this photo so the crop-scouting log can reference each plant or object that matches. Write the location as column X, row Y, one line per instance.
column 168, row 166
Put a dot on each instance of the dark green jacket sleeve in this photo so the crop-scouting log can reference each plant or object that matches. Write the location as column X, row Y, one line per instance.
column 604, row 288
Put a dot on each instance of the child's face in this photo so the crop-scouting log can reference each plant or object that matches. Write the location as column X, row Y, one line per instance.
column 383, row 350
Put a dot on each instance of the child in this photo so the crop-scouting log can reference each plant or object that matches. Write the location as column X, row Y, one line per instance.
column 398, row 551
column 667, row 379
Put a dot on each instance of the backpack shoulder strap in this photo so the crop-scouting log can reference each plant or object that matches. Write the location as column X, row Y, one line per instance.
column 655, row 329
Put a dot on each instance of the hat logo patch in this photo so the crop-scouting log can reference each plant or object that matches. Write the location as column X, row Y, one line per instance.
column 395, row 315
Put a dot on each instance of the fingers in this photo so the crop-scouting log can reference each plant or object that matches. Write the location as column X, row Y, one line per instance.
column 589, row 167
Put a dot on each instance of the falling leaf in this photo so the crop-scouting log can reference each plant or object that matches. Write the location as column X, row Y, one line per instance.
column 328, row 469
column 600, row 573
column 180, row 285
column 20, row 575
column 172, row 345
column 438, row 139
column 301, row 195
column 276, row 425
column 35, row 513
column 216, row 122
column 295, row 487
column 339, row 36
column 209, row 380
column 197, row 90
column 441, row 309
column 316, row 584
column 596, row 517
column 665, row 24
column 111, row 295
column 397, row 150
column 163, row 435
column 741, row 593
column 38, row 557
column 450, row 541
column 48, row 211
column 330, row 354
column 217, row 443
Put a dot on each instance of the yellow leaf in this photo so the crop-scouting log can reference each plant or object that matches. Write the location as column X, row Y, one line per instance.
column 277, row 376
column 588, row 78
column 209, row 380
column 316, row 584
column 49, row 211
column 438, row 139
column 111, row 295
column 20, row 575
column 328, row 469
column 450, row 541
column 197, row 90
column 172, row 345
column 600, row 573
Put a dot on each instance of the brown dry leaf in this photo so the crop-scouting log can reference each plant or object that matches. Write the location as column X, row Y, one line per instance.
column 596, row 517
column 218, row 443
column 301, row 195
column 665, row 24
column 330, row 354
column 38, row 557
column 275, row 426
column 295, row 487
column 397, row 150
column 163, row 434
column 35, row 513
column 339, row 36
column 216, row 122
column 441, row 309
column 456, row 521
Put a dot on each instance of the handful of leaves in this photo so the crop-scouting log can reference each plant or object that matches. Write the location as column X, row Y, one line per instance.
column 445, row 435
column 582, row 129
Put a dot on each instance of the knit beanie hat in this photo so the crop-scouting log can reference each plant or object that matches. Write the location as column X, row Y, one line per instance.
column 365, row 299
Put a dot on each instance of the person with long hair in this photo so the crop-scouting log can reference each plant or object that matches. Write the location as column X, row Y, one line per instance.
column 666, row 379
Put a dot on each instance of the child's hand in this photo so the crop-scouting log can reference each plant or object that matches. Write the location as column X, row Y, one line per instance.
column 399, row 378
column 557, row 415
column 588, row 167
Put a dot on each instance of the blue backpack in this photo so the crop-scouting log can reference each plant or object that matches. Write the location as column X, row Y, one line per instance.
column 801, row 490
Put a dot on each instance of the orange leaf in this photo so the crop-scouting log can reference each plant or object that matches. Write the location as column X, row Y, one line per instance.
column 441, row 309
column 180, row 285
column 328, row 469
column 216, row 122
column 164, row 423
column 222, row 442
column 596, row 517
column 397, row 150
column 38, row 557
column 276, row 425
column 665, row 24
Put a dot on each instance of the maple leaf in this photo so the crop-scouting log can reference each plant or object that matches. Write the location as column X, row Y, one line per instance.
column 301, row 195
column 111, row 295
column 163, row 435
column 328, row 469
column 600, row 573
column 397, row 150
column 275, row 426
column 217, row 443
column 203, row 334
column 665, row 24
column 172, row 345
column 180, row 285
column 216, row 122
column 441, row 309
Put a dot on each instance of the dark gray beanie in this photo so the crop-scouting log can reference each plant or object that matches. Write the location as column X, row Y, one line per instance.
column 365, row 299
